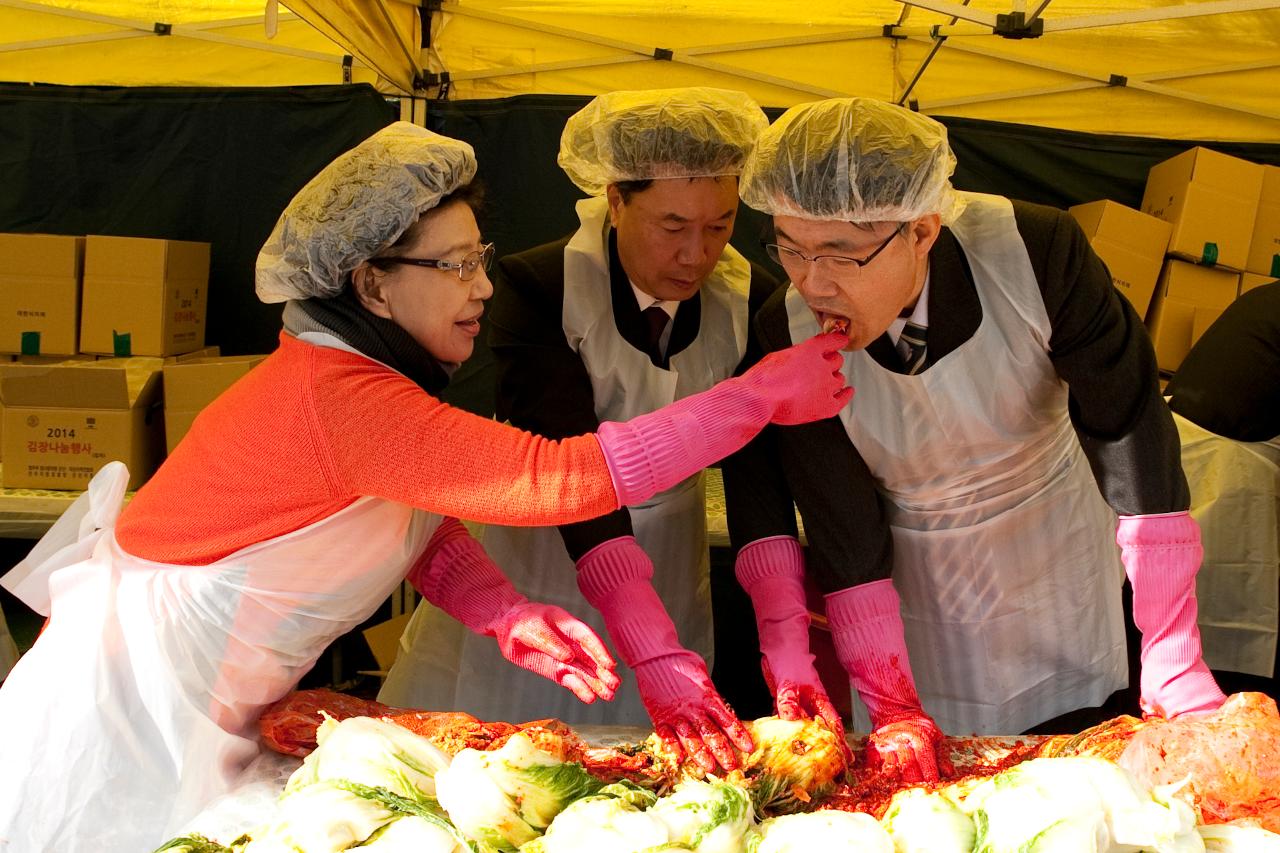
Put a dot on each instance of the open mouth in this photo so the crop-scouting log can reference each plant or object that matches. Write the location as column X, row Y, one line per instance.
column 833, row 322
column 471, row 326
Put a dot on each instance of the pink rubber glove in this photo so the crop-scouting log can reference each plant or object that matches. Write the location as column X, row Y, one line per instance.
column 772, row 572
column 866, row 623
column 456, row 575
column 653, row 452
column 687, row 712
column 1161, row 555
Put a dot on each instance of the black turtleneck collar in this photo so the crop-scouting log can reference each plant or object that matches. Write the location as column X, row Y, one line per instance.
column 380, row 339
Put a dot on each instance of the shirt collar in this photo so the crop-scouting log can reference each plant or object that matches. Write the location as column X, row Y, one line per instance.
column 644, row 300
column 919, row 314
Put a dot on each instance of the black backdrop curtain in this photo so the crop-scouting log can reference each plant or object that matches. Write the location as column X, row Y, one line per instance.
column 218, row 165
column 215, row 165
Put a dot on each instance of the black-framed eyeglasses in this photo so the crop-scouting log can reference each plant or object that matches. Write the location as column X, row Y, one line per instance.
column 790, row 259
column 471, row 263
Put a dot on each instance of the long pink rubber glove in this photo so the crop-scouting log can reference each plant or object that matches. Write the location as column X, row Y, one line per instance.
column 1161, row 555
column 866, row 623
column 687, row 712
column 456, row 575
column 653, row 452
column 772, row 572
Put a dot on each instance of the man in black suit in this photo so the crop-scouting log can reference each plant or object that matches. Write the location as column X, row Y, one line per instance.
column 954, row 508
column 644, row 304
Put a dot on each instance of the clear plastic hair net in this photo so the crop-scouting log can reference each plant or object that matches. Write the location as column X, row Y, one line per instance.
column 359, row 204
column 692, row 132
column 852, row 159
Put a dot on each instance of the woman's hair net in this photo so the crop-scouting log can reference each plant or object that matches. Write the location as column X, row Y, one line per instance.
column 852, row 159
column 358, row 205
column 694, row 132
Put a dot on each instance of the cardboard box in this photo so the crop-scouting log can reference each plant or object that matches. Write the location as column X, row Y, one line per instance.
column 1188, row 299
column 1248, row 281
column 63, row 422
column 1211, row 199
column 1132, row 245
column 143, row 297
column 191, row 385
column 40, row 293
column 50, row 359
column 1264, row 248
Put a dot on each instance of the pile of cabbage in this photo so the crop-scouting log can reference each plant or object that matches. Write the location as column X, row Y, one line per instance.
column 375, row 787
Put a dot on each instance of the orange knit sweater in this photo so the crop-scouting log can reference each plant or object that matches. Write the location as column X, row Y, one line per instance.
column 312, row 429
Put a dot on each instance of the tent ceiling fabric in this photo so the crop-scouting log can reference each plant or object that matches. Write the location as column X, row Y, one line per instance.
column 209, row 43
column 1179, row 69
column 1189, row 70
column 385, row 34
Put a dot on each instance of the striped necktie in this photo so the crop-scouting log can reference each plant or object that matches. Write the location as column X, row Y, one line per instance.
column 911, row 346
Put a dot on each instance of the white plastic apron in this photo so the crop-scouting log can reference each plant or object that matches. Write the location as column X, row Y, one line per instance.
column 1235, row 497
column 671, row 527
column 139, row 702
column 1004, row 551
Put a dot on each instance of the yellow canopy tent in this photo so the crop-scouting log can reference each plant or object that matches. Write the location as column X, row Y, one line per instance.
column 1164, row 68
column 1178, row 69
column 209, row 43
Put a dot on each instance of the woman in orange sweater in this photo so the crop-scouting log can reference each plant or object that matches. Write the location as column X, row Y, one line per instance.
column 305, row 494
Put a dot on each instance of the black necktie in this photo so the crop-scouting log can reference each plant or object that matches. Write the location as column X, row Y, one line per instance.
column 657, row 320
column 911, row 346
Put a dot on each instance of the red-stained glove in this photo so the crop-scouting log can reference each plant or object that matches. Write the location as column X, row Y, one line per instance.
column 687, row 712
column 772, row 572
column 456, row 575
column 866, row 624
column 1161, row 555
column 654, row 451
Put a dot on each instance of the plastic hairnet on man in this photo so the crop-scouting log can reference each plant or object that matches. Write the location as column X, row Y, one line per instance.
column 1008, row 411
column 645, row 303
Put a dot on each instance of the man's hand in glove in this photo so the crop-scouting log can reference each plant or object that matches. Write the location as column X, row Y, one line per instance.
column 1161, row 555
column 771, row 570
column 688, row 714
column 908, row 748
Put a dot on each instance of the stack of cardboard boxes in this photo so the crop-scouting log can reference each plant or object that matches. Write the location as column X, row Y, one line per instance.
column 1209, row 229
column 88, row 328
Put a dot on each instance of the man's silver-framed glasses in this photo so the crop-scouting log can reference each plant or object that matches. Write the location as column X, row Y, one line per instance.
column 788, row 258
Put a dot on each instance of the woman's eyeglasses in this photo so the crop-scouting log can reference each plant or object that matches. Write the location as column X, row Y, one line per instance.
column 467, row 268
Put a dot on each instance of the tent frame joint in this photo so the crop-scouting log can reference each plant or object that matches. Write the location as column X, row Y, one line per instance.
column 162, row 29
column 1118, row 80
column 1016, row 26
column 663, row 54
column 890, row 31
column 441, row 81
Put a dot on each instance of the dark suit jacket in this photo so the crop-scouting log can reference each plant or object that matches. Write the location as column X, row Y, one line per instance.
column 543, row 385
column 1230, row 381
column 1098, row 345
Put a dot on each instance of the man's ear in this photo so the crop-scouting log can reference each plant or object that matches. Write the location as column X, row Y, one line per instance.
column 614, row 197
column 925, row 230
column 368, row 287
